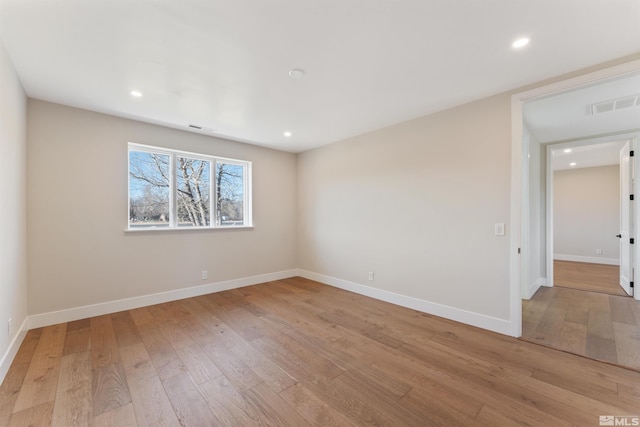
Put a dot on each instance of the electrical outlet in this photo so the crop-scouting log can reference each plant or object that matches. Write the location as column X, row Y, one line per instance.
column 9, row 326
column 371, row 275
column 205, row 274
column 598, row 251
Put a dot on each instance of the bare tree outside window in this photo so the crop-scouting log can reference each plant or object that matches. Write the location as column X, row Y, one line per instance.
column 194, row 192
column 230, row 197
column 152, row 190
column 149, row 191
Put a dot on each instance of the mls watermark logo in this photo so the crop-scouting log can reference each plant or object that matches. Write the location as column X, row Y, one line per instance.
column 619, row 420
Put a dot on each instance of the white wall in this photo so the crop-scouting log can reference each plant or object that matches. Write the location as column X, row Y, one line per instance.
column 416, row 204
column 586, row 213
column 79, row 253
column 13, row 224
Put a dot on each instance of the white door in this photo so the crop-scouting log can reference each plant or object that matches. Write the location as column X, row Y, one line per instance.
column 626, row 207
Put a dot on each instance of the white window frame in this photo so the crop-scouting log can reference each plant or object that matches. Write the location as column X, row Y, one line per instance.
column 173, row 206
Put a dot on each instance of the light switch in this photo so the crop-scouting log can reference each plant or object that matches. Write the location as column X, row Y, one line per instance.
column 499, row 229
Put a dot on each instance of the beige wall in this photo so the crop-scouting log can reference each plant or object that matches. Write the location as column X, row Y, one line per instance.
column 586, row 211
column 415, row 203
column 13, row 224
column 78, row 251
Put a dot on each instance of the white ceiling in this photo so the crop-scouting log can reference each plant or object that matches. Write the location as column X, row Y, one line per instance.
column 369, row 63
column 568, row 115
column 587, row 156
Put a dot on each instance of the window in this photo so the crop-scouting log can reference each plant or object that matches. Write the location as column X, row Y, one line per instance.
column 174, row 189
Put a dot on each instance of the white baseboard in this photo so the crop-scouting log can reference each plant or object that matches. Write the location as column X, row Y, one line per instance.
column 11, row 352
column 76, row 313
column 470, row 318
column 589, row 259
column 533, row 287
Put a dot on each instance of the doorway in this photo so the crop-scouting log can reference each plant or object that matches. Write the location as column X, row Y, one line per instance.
column 584, row 309
column 588, row 192
column 532, row 271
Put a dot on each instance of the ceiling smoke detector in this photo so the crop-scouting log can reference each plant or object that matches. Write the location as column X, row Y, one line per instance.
column 296, row 73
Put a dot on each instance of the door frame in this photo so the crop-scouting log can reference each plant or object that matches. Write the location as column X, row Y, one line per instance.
column 549, row 187
column 519, row 241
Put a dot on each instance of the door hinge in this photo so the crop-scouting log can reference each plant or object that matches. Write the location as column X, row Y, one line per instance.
column 631, row 153
column 518, row 251
column 630, row 196
column 631, row 241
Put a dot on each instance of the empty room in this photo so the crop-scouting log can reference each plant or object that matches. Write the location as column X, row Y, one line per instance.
column 313, row 213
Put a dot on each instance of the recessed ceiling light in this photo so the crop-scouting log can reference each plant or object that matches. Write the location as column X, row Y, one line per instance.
column 521, row 42
column 567, row 150
column 296, row 73
column 136, row 93
column 572, row 164
column 287, row 134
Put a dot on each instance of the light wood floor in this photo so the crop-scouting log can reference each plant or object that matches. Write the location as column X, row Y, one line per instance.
column 588, row 277
column 295, row 352
column 601, row 326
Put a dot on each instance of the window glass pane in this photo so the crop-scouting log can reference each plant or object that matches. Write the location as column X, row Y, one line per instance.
column 230, row 197
column 149, row 191
column 193, row 178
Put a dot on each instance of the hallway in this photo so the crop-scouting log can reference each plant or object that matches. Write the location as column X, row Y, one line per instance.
column 593, row 324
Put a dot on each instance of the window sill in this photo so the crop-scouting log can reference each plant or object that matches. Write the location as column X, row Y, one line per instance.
column 187, row 229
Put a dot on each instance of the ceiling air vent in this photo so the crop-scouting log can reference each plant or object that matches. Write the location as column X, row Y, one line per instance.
column 615, row 104
column 200, row 128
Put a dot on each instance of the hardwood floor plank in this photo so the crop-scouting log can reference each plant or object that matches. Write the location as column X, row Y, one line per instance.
column 588, row 277
column 199, row 366
column 313, row 409
column 14, row 379
column 564, row 365
column 104, row 346
column 621, row 311
column 271, row 408
column 74, row 403
column 188, row 403
column 150, row 401
column 573, row 338
column 110, row 388
column 490, row 416
column 240, row 375
column 77, row 341
column 228, row 404
column 141, row 315
column 78, row 338
column 35, row 416
column 591, row 390
column 120, row 417
column 125, row 329
column 578, row 312
column 41, row 380
column 627, row 342
column 163, row 355
column 435, row 410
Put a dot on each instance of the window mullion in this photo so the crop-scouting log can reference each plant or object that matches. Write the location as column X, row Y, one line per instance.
column 212, row 183
column 214, row 195
column 173, row 199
